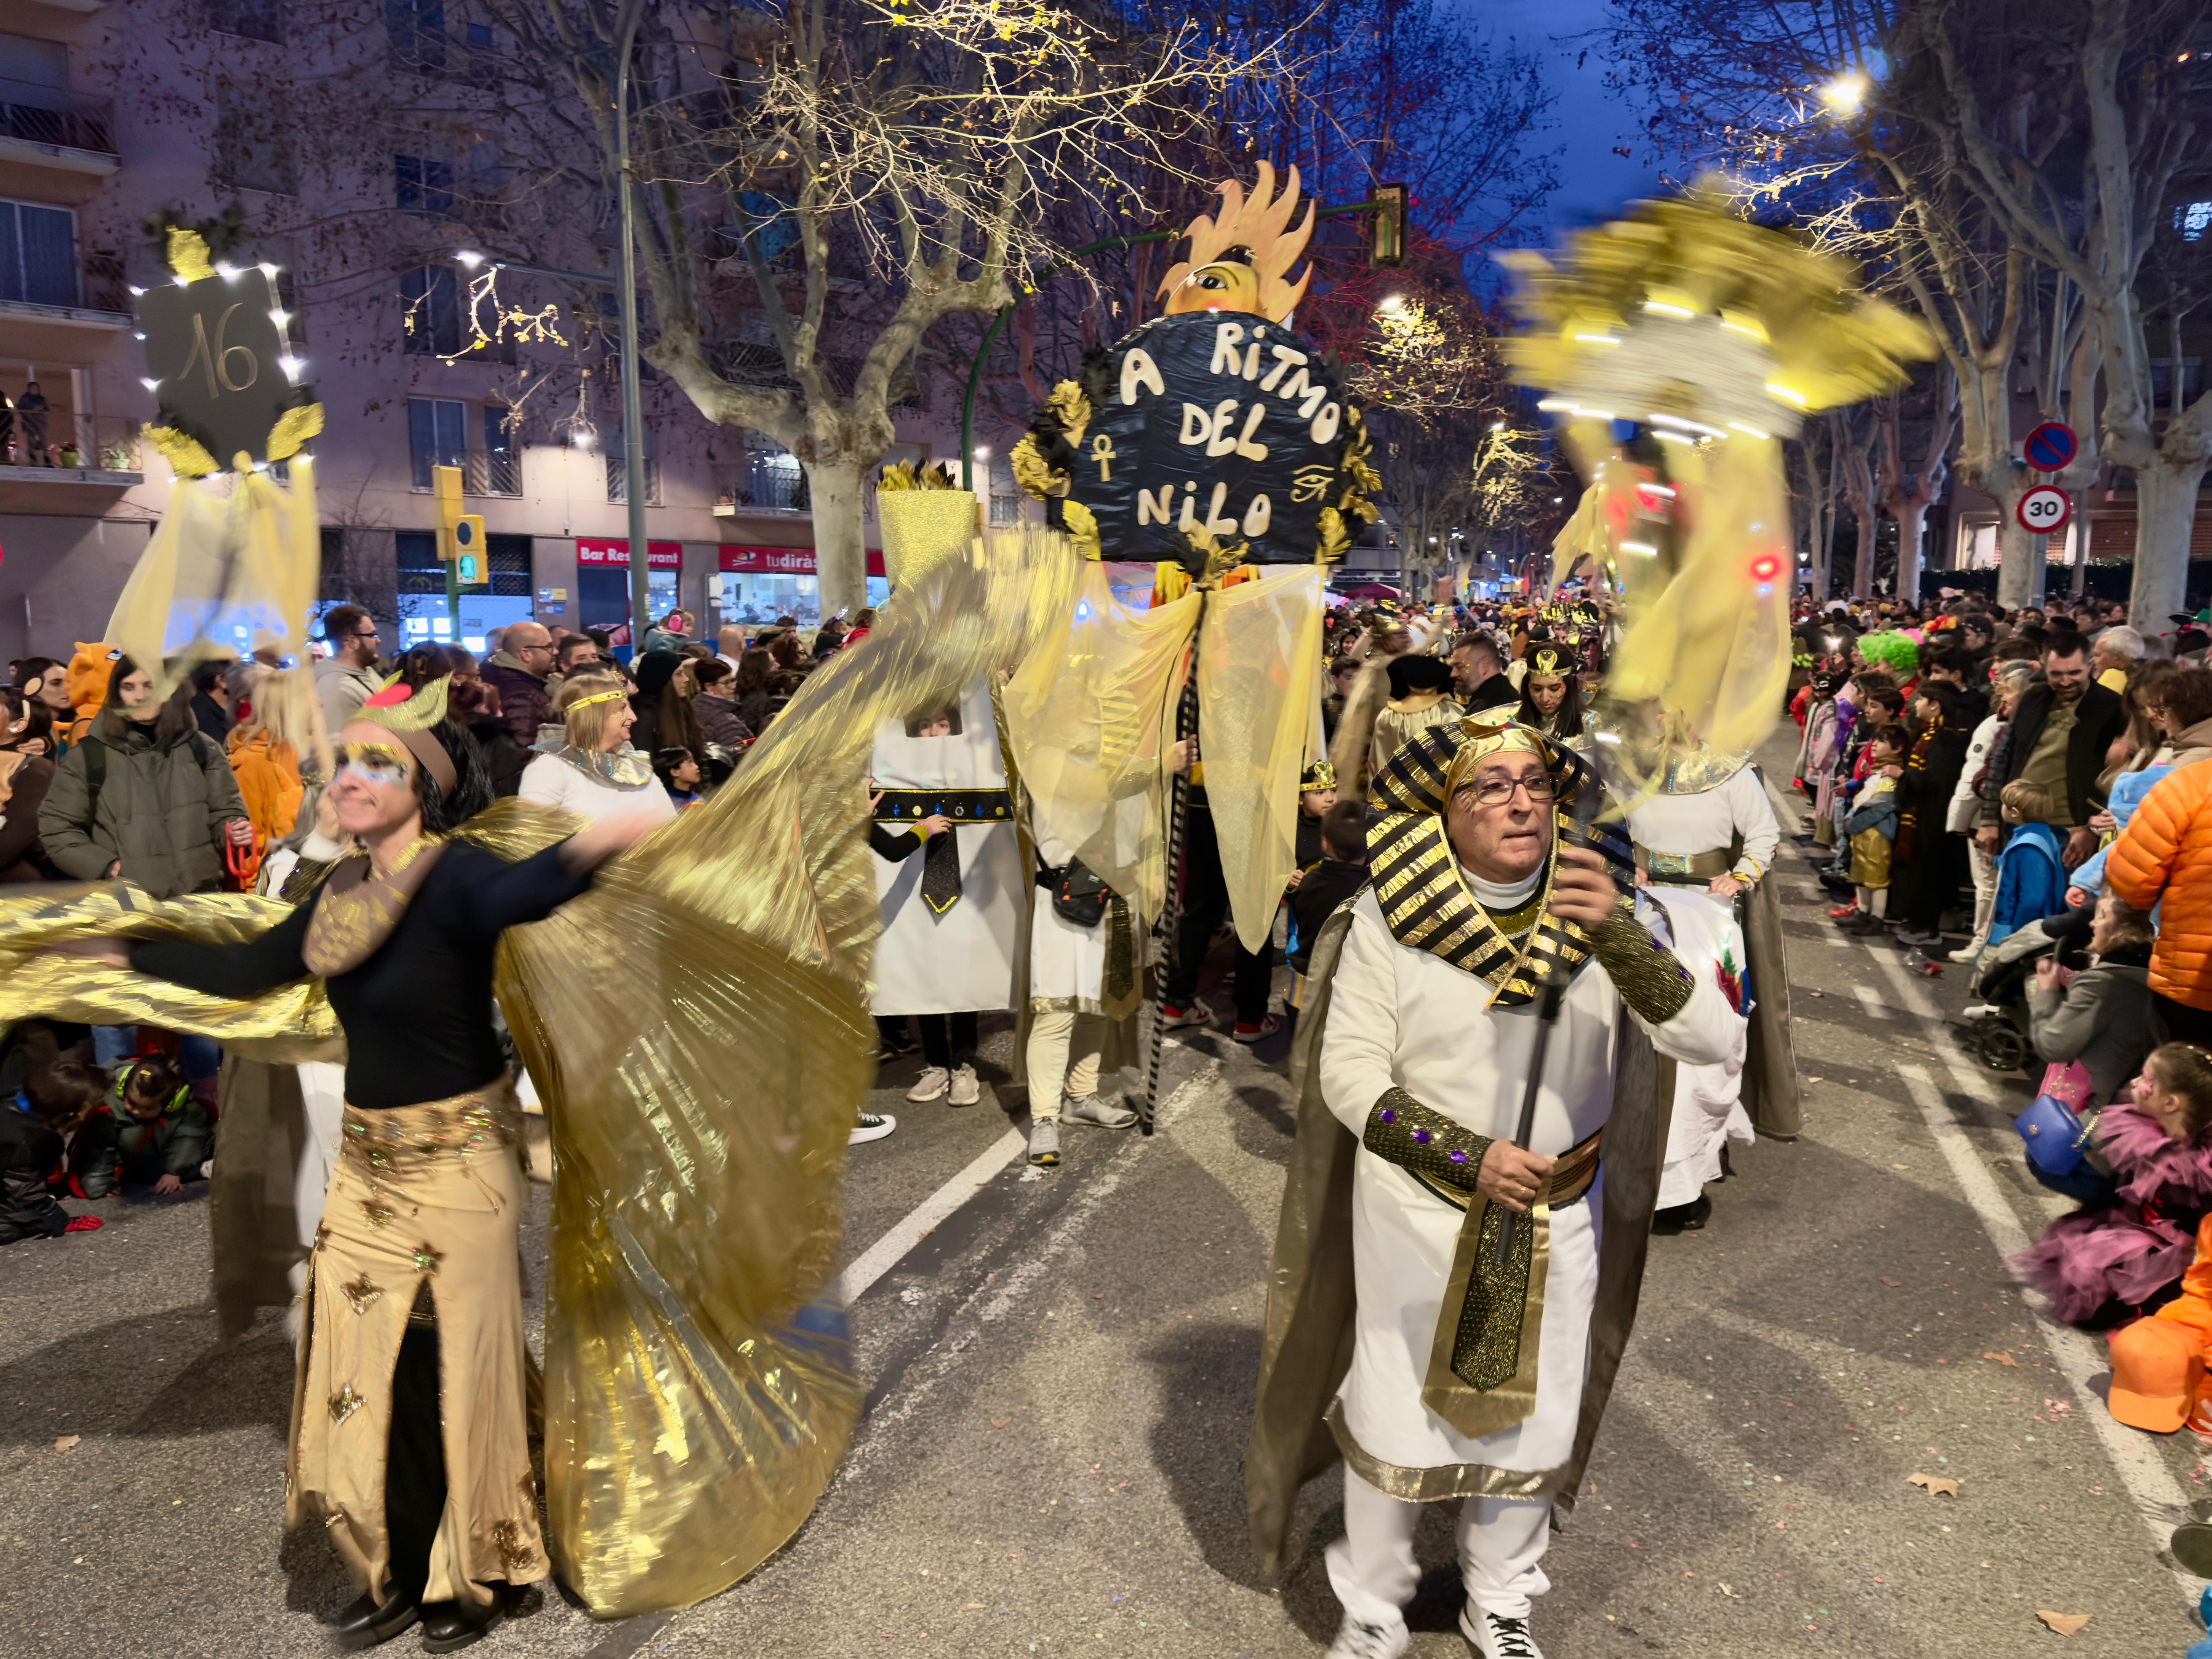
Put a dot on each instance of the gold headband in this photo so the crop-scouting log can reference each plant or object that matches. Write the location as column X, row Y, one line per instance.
column 596, row 697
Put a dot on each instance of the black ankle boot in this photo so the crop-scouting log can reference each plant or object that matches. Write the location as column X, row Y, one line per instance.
column 1683, row 1218
column 366, row 1623
column 448, row 1626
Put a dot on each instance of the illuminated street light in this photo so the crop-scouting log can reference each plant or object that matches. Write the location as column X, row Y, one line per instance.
column 469, row 257
column 1843, row 94
column 1392, row 302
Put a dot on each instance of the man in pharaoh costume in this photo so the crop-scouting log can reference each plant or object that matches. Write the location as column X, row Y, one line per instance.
column 1491, row 1162
column 1706, row 833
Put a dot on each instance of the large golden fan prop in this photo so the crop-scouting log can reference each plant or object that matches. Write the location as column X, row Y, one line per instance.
column 1717, row 337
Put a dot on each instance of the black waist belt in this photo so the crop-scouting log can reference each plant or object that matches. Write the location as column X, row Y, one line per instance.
column 961, row 805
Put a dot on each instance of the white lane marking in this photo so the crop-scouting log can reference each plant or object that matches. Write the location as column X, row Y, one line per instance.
column 1785, row 808
column 880, row 1257
column 2078, row 1356
column 1868, row 1000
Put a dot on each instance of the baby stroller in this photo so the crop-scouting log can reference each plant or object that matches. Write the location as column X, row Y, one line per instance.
column 1998, row 1031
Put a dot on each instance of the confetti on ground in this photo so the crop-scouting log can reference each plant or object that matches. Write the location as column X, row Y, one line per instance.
column 67, row 1440
column 1892, row 1283
column 1937, row 1486
column 2065, row 1624
column 2003, row 1359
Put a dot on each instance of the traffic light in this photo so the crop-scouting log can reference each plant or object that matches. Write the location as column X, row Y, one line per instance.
column 468, row 549
column 1386, row 249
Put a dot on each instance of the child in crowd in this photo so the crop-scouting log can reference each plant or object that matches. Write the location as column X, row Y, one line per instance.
column 33, row 1131
column 1821, row 750
column 1341, row 869
column 2130, row 1251
column 1871, row 828
column 1317, row 795
column 2031, row 876
column 677, row 769
column 2102, row 1016
column 153, row 1129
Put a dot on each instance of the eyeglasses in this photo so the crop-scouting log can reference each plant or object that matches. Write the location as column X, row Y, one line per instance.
column 1496, row 792
column 366, row 634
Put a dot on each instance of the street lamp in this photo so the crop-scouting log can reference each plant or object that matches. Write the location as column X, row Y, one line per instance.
column 1845, row 94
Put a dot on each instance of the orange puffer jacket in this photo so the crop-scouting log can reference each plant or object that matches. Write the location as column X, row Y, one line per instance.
column 2163, row 857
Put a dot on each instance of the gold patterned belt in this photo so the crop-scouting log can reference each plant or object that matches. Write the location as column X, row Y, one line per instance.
column 1572, row 1176
column 1481, row 1377
column 1684, row 866
column 389, row 1141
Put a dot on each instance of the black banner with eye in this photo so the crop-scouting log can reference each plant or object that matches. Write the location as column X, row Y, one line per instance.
column 1216, row 422
column 217, row 354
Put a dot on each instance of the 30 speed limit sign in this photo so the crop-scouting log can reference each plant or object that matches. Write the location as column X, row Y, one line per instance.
column 2045, row 510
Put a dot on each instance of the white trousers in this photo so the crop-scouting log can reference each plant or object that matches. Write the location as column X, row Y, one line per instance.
column 322, row 1098
column 1501, row 1542
column 1985, row 893
column 1055, row 1034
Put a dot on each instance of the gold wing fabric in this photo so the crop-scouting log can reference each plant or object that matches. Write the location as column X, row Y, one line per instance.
column 697, row 1025
column 1090, row 717
column 241, row 553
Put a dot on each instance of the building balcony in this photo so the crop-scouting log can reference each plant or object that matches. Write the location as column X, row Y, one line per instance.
column 68, row 462
column 49, row 127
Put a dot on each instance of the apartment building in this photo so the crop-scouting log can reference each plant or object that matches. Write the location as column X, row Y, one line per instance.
column 359, row 145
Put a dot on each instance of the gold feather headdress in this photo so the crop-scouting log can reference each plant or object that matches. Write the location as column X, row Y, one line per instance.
column 1258, row 226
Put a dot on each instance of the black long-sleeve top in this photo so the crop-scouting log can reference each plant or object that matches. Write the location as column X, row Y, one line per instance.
column 417, row 1014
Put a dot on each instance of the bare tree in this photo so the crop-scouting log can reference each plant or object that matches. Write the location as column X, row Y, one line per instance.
column 1906, row 496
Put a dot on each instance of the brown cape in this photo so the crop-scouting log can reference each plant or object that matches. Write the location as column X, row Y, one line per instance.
column 1307, row 1346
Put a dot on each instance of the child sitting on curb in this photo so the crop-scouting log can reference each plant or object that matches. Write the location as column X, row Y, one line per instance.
column 152, row 1130
column 52, row 1104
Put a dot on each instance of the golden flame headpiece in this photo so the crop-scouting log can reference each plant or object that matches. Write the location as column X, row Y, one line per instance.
column 409, row 718
column 1259, row 227
column 1319, row 775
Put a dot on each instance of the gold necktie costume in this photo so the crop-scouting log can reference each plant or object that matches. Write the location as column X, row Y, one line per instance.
column 697, row 1025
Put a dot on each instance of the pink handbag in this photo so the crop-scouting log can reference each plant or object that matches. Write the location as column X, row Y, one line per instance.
column 2068, row 1082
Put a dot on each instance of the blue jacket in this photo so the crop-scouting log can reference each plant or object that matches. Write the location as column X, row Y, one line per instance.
column 2031, row 879
column 1877, row 810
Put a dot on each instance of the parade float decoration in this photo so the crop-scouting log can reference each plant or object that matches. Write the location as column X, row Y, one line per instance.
column 236, row 559
column 1215, row 443
column 1714, row 339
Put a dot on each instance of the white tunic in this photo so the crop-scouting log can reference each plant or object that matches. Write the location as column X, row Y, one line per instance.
column 1068, row 964
column 549, row 781
column 963, row 960
column 1403, row 1017
column 1708, row 1099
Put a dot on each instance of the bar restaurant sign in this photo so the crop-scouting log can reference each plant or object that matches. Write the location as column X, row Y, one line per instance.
column 659, row 555
column 1204, row 421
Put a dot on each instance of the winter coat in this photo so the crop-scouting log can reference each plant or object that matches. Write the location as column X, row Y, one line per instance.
column 1965, row 810
column 524, row 704
column 2031, row 879
column 29, row 1152
column 2160, row 859
column 2098, row 718
column 342, row 688
column 161, row 810
column 719, row 719
column 2102, row 1019
column 2127, row 1251
column 112, row 1144
column 22, row 857
column 268, row 774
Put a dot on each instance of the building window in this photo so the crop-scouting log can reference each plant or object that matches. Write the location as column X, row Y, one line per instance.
column 38, row 254
column 424, row 186
column 2192, row 219
column 430, row 313
column 421, row 570
column 417, row 33
column 257, row 20
column 482, row 65
column 287, row 298
column 437, row 435
column 618, row 471
column 2161, row 379
column 507, row 561
column 250, row 152
column 774, row 480
column 496, row 470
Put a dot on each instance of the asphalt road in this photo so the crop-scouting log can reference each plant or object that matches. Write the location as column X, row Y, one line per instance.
column 1061, row 1370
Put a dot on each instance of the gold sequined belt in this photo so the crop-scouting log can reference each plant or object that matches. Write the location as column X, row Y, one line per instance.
column 484, row 1120
column 1684, row 866
column 1572, row 1176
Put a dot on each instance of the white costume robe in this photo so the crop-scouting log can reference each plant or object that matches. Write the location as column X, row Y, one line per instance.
column 1708, row 1099
column 1401, row 1017
column 965, row 960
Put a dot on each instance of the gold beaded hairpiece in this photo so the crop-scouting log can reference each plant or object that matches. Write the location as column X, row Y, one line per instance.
column 596, row 697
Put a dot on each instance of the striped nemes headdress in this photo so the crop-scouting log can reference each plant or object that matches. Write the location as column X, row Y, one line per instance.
column 1424, row 897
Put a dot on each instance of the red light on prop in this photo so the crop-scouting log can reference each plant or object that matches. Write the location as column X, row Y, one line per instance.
column 1766, row 568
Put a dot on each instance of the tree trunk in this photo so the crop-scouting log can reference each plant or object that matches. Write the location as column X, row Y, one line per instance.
column 841, row 552
column 2165, row 511
column 1862, row 564
column 2020, row 572
column 1912, row 530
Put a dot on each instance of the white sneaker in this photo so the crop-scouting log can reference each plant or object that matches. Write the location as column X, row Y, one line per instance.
column 930, row 1085
column 1089, row 1108
column 870, row 1127
column 1966, row 954
column 1492, row 1638
column 1979, row 1011
column 965, row 1091
column 1357, row 1641
column 1044, row 1141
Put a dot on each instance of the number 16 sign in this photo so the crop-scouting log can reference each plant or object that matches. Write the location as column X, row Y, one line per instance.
column 2045, row 510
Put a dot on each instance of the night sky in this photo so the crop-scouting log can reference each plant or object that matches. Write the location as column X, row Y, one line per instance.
column 1588, row 121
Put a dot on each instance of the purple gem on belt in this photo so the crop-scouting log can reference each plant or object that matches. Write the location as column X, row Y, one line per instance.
column 1388, row 1116
column 1459, row 1158
column 1422, row 1136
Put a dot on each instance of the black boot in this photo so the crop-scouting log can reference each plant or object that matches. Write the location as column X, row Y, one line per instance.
column 448, row 1626
column 1683, row 1218
column 365, row 1624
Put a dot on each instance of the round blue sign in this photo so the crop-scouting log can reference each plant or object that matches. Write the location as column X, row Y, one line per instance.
column 2050, row 447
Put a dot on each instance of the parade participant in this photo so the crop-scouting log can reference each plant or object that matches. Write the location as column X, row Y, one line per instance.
column 594, row 772
column 1470, row 1378
column 1820, row 750
column 1085, row 989
column 950, row 884
column 408, row 1438
column 1420, row 698
column 1551, row 695
column 1317, row 795
column 1707, row 835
